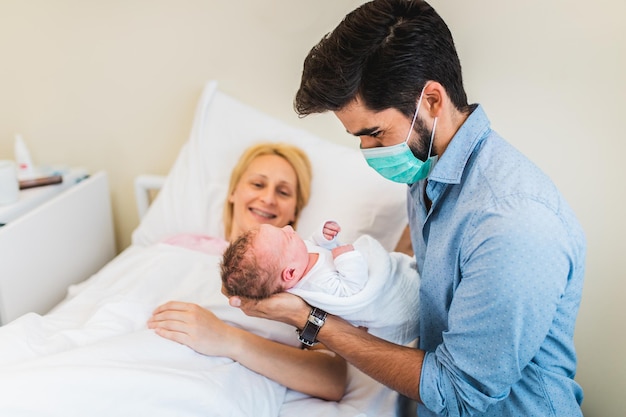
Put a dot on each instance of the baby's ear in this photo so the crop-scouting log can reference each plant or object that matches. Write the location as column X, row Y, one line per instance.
column 288, row 274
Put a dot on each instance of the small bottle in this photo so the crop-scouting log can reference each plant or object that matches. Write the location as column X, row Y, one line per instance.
column 25, row 168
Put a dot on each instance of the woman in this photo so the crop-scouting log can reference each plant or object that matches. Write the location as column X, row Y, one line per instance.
column 270, row 184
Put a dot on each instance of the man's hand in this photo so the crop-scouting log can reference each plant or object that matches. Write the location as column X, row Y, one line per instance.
column 283, row 307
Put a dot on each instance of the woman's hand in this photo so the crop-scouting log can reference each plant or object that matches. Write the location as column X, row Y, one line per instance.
column 195, row 327
column 202, row 331
column 283, row 307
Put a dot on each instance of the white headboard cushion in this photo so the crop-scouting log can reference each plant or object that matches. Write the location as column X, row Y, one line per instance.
column 344, row 188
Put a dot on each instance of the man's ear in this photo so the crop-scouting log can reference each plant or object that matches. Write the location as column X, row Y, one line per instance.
column 288, row 274
column 434, row 94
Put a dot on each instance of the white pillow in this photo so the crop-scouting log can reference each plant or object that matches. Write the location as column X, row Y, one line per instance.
column 344, row 188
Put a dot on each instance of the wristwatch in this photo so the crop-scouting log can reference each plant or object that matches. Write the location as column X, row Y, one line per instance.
column 316, row 320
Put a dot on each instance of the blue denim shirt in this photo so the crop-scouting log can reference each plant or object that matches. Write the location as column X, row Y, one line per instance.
column 502, row 258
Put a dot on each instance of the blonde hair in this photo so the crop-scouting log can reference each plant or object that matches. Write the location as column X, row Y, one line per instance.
column 295, row 156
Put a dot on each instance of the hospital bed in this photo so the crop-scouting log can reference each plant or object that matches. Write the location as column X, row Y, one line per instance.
column 93, row 355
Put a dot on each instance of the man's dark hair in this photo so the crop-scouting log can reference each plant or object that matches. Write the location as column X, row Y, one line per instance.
column 383, row 52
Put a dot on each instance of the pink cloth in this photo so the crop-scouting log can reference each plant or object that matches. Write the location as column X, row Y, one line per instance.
column 201, row 243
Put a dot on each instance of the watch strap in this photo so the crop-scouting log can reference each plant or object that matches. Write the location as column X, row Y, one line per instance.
column 309, row 332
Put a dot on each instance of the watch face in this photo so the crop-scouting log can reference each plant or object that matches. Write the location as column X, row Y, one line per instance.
column 312, row 327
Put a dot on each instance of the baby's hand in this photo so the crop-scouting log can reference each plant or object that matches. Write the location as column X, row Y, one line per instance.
column 341, row 249
column 330, row 230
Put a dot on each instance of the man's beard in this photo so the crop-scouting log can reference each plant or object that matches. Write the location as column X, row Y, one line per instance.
column 421, row 146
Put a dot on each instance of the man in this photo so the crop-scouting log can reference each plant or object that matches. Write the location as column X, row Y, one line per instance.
column 500, row 253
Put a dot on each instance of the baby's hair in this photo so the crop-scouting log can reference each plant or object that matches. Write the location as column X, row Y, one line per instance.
column 242, row 273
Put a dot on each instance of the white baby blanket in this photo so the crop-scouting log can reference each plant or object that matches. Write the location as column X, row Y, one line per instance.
column 388, row 304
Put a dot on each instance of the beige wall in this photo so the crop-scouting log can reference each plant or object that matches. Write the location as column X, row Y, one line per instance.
column 112, row 85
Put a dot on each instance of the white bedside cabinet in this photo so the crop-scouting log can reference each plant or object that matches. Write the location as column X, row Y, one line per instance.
column 63, row 240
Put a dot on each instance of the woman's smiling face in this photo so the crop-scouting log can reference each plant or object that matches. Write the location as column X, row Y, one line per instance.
column 265, row 194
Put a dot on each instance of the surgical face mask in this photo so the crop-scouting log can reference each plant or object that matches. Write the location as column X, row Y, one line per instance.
column 397, row 162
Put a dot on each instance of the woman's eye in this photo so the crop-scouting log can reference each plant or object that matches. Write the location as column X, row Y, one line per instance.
column 375, row 134
column 284, row 193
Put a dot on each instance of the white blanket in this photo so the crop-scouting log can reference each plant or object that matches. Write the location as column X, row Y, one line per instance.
column 94, row 356
column 388, row 305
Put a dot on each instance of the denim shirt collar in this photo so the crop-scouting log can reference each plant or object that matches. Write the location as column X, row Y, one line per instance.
column 450, row 166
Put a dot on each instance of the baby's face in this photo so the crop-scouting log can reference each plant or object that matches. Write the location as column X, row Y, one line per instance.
column 283, row 241
column 281, row 244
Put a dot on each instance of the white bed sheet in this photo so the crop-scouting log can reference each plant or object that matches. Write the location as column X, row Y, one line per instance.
column 93, row 354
